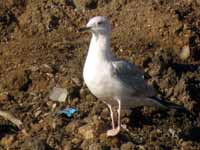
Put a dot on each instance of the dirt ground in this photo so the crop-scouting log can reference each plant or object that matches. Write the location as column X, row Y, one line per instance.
column 40, row 48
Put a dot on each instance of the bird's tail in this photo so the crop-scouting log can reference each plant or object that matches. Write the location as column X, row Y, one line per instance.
column 165, row 104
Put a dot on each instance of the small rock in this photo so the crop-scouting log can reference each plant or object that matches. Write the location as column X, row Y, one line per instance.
column 33, row 144
column 77, row 81
column 4, row 96
column 76, row 141
column 37, row 113
column 73, row 126
column 141, row 147
column 87, row 131
column 83, row 92
column 95, row 146
column 46, row 68
column 128, row 146
column 172, row 132
column 50, row 104
column 198, row 2
column 67, row 146
column 7, row 141
column 155, row 70
column 24, row 133
column 185, row 52
column 34, row 68
column 85, row 4
column 186, row 145
column 59, row 94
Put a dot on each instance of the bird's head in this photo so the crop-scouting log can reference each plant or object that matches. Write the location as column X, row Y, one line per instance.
column 98, row 25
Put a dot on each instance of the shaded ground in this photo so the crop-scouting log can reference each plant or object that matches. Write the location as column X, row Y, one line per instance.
column 40, row 48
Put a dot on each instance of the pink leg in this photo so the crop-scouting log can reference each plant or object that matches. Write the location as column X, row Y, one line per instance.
column 119, row 114
column 115, row 131
column 112, row 116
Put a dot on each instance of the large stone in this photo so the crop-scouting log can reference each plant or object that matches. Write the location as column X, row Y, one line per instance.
column 59, row 94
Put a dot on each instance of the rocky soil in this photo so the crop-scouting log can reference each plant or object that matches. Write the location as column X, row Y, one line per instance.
column 41, row 48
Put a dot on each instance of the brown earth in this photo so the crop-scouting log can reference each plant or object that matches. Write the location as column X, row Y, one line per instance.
column 40, row 48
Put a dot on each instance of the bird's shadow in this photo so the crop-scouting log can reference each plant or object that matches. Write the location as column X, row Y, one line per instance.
column 138, row 118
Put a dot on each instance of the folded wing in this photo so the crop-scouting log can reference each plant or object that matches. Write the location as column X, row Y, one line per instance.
column 132, row 78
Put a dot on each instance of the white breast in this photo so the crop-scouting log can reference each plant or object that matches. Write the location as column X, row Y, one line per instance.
column 97, row 69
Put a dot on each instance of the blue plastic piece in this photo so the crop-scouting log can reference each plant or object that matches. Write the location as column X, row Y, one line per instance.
column 68, row 111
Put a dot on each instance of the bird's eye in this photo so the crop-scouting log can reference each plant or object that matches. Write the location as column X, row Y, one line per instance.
column 100, row 23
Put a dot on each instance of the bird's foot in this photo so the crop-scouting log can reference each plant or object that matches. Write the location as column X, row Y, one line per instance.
column 113, row 132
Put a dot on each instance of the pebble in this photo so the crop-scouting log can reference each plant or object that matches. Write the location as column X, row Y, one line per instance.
column 34, row 68
column 185, row 52
column 7, row 141
column 67, row 146
column 127, row 146
column 87, row 131
column 198, row 2
column 186, row 145
column 95, row 146
column 46, row 68
column 155, row 70
column 4, row 97
column 172, row 132
column 141, row 147
column 83, row 92
column 37, row 113
column 85, row 4
column 50, row 104
column 33, row 144
column 73, row 126
column 77, row 81
column 76, row 141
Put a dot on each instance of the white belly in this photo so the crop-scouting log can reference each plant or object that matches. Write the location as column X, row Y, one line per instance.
column 96, row 79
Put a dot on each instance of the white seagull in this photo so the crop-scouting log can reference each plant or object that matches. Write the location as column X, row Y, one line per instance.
column 118, row 83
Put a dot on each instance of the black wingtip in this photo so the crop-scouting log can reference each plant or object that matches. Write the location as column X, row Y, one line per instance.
column 170, row 105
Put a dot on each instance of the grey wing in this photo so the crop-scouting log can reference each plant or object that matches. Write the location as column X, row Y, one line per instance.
column 132, row 77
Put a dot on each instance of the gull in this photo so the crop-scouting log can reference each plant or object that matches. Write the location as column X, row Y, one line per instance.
column 118, row 83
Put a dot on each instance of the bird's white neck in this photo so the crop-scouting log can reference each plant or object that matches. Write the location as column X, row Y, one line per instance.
column 100, row 47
